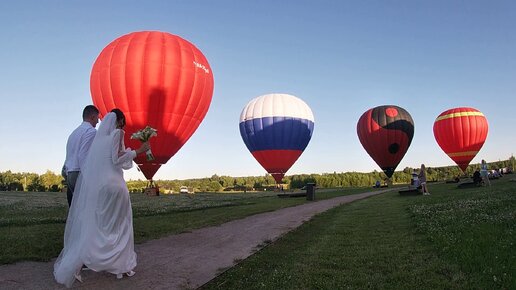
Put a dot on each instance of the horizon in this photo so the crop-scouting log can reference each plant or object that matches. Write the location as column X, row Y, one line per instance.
column 287, row 175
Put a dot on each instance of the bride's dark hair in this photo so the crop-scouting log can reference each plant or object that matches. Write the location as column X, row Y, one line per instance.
column 120, row 117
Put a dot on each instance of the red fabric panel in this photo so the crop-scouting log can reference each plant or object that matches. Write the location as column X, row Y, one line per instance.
column 277, row 162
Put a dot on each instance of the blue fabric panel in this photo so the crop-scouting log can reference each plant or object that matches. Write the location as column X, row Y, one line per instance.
column 276, row 133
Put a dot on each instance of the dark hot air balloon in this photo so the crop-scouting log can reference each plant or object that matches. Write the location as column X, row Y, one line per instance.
column 386, row 133
column 276, row 128
column 156, row 79
column 461, row 132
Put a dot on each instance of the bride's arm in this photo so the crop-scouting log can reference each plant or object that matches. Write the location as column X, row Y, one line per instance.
column 118, row 153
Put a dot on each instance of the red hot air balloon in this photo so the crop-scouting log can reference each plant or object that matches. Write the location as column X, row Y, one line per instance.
column 461, row 132
column 386, row 133
column 156, row 79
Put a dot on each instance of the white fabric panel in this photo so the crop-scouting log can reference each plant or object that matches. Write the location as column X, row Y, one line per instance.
column 276, row 105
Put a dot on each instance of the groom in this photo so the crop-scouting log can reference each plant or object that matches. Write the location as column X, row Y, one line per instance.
column 77, row 148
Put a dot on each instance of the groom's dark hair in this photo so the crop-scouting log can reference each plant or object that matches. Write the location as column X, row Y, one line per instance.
column 88, row 111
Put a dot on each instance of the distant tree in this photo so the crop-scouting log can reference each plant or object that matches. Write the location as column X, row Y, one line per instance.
column 27, row 180
column 214, row 186
column 35, row 184
column 51, row 181
column 136, row 186
column 512, row 162
column 10, row 181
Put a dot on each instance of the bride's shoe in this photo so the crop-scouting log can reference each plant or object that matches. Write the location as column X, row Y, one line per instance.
column 78, row 277
column 129, row 274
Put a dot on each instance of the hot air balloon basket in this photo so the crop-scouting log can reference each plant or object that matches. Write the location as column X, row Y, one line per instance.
column 151, row 191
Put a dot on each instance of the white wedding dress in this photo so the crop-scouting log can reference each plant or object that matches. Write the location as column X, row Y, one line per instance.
column 99, row 227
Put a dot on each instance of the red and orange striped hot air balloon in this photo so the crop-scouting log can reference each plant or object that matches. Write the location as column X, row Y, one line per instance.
column 461, row 132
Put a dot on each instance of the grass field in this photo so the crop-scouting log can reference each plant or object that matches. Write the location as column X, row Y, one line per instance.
column 32, row 224
column 453, row 239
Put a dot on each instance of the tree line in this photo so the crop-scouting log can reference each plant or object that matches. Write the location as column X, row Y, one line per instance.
column 51, row 182
column 26, row 181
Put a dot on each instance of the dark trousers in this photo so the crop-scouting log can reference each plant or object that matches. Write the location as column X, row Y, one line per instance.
column 71, row 179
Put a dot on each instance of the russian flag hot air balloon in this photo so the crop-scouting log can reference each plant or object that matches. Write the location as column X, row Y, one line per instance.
column 276, row 128
column 461, row 132
column 159, row 80
column 386, row 133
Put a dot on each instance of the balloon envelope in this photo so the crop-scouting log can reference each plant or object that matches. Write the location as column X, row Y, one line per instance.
column 461, row 133
column 276, row 128
column 156, row 79
column 386, row 133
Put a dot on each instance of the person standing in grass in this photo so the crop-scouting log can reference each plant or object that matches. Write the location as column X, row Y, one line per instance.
column 77, row 148
column 422, row 180
column 99, row 227
column 484, row 173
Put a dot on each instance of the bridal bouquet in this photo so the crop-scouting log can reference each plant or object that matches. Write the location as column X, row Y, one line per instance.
column 144, row 135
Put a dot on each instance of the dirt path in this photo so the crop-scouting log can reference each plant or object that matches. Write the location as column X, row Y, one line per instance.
column 183, row 261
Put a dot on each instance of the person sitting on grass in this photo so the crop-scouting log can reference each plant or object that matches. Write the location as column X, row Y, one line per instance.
column 477, row 179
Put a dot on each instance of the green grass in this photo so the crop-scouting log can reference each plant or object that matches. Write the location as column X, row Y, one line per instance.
column 32, row 224
column 453, row 239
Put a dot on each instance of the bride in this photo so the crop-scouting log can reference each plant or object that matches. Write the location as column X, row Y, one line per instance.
column 99, row 227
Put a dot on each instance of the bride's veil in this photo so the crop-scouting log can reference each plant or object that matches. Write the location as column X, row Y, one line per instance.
column 81, row 216
column 107, row 126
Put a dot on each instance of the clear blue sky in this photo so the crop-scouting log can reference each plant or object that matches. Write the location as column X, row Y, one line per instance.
column 340, row 57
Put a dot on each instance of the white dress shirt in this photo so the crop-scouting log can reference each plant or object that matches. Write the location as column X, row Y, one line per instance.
column 78, row 146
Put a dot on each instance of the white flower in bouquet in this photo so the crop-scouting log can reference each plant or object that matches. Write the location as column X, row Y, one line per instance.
column 144, row 135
